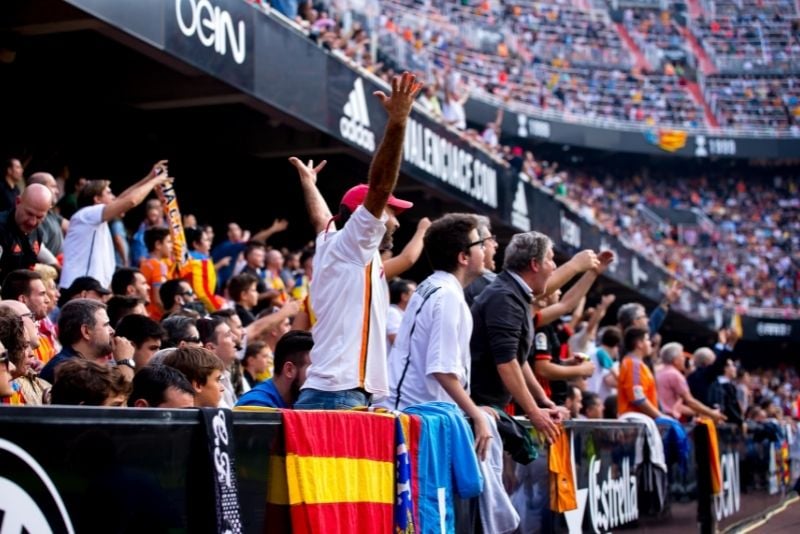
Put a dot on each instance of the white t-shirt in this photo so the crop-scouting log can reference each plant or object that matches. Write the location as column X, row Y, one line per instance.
column 88, row 248
column 439, row 343
column 349, row 297
column 393, row 320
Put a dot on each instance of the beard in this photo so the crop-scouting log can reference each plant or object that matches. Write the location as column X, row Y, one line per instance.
column 387, row 242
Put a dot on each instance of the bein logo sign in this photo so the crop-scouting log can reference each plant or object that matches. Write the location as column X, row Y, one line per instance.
column 213, row 27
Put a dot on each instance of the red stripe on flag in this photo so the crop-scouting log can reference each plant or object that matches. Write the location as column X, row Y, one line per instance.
column 339, row 434
column 342, row 517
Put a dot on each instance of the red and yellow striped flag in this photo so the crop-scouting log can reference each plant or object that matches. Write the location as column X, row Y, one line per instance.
column 340, row 470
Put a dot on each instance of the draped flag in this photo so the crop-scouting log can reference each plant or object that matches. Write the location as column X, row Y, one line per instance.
column 340, row 470
column 201, row 274
column 666, row 139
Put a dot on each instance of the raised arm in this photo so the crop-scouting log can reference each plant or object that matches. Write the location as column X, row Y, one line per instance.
column 135, row 194
column 385, row 166
column 579, row 263
column 318, row 212
column 410, row 254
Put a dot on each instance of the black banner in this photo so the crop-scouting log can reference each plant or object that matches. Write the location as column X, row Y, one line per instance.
column 654, row 141
column 770, row 329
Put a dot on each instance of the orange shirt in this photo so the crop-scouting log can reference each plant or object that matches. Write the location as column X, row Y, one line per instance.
column 155, row 272
column 635, row 385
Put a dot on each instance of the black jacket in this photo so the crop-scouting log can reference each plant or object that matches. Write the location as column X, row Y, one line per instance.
column 17, row 250
column 502, row 331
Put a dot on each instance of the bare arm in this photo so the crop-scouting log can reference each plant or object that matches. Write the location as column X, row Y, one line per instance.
column 648, row 409
column 514, row 381
column 552, row 371
column 411, row 252
column 134, row 195
column 701, row 409
column 385, row 168
column 580, row 262
column 569, row 301
column 318, row 211
column 255, row 329
column 278, row 225
column 453, row 387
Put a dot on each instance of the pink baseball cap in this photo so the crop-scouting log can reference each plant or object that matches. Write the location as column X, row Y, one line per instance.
column 355, row 197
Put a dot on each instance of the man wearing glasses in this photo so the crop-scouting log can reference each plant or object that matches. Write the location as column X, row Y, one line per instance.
column 6, row 368
column 489, row 250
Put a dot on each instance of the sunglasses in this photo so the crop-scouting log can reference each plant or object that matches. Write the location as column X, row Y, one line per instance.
column 189, row 293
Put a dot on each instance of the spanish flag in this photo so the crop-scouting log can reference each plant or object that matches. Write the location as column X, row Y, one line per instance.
column 340, row 471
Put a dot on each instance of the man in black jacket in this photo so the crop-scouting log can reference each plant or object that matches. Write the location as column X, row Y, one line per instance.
column 503, row 332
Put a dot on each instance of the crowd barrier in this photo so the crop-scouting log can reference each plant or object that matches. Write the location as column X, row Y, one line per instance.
column 110, row 470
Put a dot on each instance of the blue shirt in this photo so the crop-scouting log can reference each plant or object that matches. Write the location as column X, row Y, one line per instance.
column 264, row 394
column 48, row 372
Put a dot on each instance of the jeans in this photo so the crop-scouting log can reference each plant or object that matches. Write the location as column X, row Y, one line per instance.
column 315, row 399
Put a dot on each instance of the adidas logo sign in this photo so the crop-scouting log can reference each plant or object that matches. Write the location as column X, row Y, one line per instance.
column 354, row 126
column 519, row 209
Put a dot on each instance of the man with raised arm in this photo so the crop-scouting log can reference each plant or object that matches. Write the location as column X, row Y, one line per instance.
column 348, row 292
column 88, row 247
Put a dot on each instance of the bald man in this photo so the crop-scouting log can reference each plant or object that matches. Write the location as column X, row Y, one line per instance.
column 21, row 235
column 54, row 225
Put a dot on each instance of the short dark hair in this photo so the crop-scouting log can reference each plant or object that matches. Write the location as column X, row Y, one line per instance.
column 139, row 328
column 196, row 363
column 92, row 189
column 397, row 288
column 612, row 336
column 634, row 335
column 13, row 335
column 446, row 238
column 207, row 327
column 292, row 347
column 168, row 291
column 610, row 407
column 177, row 329
column 239, row 284
column 153, row 236
column 18, row 283
column 192, row 235
column 74, row 314
column 253, row 349
column 589, row 398
column 121, row 306
column 152, row 382
column 123, row 277
column 80, row 381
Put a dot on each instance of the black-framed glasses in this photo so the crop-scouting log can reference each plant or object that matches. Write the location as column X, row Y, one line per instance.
column 187, row 293
column 481, row 242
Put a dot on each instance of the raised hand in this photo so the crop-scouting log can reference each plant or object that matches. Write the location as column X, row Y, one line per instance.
column 604, row 258
column 405, row 89
column 307, row 171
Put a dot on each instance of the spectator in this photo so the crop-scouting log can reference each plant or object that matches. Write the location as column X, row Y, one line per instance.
column 292, row 358
column 181, row 332
column 722, row 394
column 257, row 361
column 16, row 339
column 85, row 287
column 119, row 307
column 574, row 402
column 243, row 291
column 96, row 206
column 145, row 334
column 637, row 388
column 6, row 368
column 28, row 288
column 81, row 382
column 673, row 390
column 86, row 333
column 21, row 235
column 400, row 292
column 591, row 406
column 346, row 369
column 155, row 267
column 711, row 364
column 216, row 336
column 489, row 250
column 177, row 295
column 11, row 185
column 128, row 281
column 430, row 360
column 54, row 225
column 203, row 370
column 161, row 386
column 503, row 333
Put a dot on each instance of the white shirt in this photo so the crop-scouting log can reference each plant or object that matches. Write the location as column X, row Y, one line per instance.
column 439, row 343
column 349, row 297
column 393, row 320
column 88, row 248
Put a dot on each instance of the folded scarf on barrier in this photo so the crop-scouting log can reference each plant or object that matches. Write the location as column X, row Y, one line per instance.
column 446, row 463
column 562, row 475
column 340, row 470
column 676, row 442
column 713, row 454
column 653, row 473
column 517, row 439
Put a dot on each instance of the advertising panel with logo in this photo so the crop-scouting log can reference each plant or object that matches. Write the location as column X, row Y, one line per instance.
column 214, row 35
column 66, row 470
